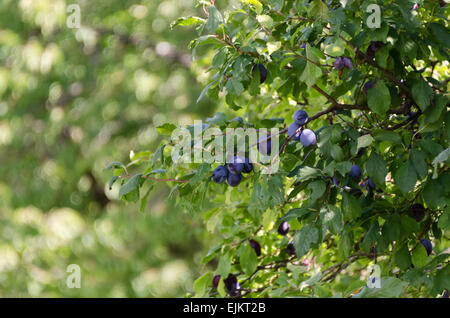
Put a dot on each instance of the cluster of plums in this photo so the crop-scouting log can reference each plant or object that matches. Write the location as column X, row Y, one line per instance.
column 356, row 174
column 342, row 62
column 283, row 229
column 231, row 283
column 233, row 172
column 307, row 137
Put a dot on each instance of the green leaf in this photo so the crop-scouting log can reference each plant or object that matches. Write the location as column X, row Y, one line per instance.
column 310, row 74
column 214, row 19
column 444, row 219
column 332, row 218
column 115, row 164
column 379, row 98
column 265, row 21
column 417, row 158
column 131, row 185
column 202, row 284
column 166, row 129
column 406, row 177
column 296, row 213
column 371, row 237
column 422, row 93
column 255, row 4
column 391, row 228
column 390, row 287
column 317, row 190
column 144, row 199
column 419, row 256
column 184, row 21
column 409, row 225
column 351, row 208
column 318, row 10
column 304, row 238
column 402, row 258
column 307, row 173
column 111, row 181
column 345, row 244
column 273, row 46
column 376, row 168
column 386, row 135
column 224, row 266
column 364, row 141
column 248, row 260
column 234, row 86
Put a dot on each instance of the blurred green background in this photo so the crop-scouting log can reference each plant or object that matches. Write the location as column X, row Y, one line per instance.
column 71, row 101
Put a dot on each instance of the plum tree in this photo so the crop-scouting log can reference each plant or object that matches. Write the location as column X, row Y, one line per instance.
column 375, row 138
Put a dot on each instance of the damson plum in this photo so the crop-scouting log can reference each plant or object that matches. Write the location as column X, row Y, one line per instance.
column 248, row 166
column 234, row 179
column 237, row 165
column 262, row 72
column 300, row 117
column 291, row 248
column 368, row 85
column 356, row 172
column 220, row 174
column 336, row 181
column 308, row 138
column 284, row 227
column 232, row 285
column 255, row 245
column 292, row 131
column 265, row 145
column 215, row 281
column 427, row 244
column 418, row 211
column 342, row 62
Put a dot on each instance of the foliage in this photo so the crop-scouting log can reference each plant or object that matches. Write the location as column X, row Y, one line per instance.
column 386, row 111
column 72, row 100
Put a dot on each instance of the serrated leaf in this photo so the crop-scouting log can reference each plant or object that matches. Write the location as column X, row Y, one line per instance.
column 304, row 238
column 376, row 168
column 214, row 19
column 202, row 284
column 422, row 93
column 248, row 260
column 379, row 98
column 405, row 177
column 419, row 256
column 131, row 185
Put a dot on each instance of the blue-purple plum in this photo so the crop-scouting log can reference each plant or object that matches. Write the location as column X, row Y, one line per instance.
column 291, row 248
column 371, row 185
column 292, row 131
column 308, row 138
column 300, row 117
column 339, row 63
column 215, row 281
column 232, row 285
column 428, row 246
column 262, row 72
column 265, row 145
column 336, row 181
column 237, row 165
column 418, row 211
column 348, row 63
column 284, row 228
column 255, row 245
column 356, row 172
column 368, row 85
column 248, row 166
column 220, row 174
column 234, row 179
